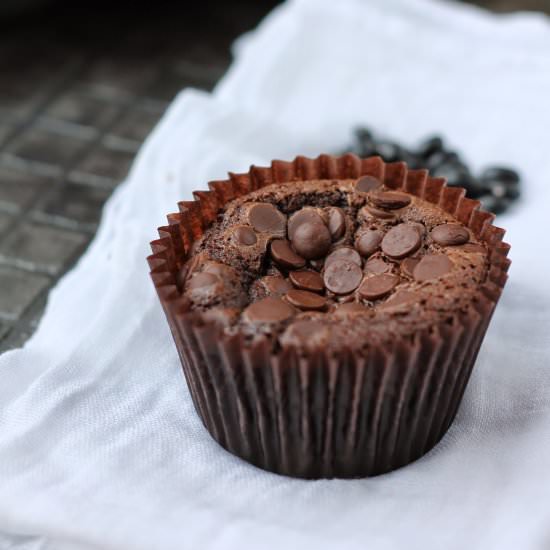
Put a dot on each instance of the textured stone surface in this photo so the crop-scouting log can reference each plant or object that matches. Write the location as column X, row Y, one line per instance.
column 77, row 206
column 105, row 164
column 19, row 290
column 19, row 189
column 136, row 124
column 5, row 131
column 75, row 106
column 41, row 247
column 5, row 222
column 83, row 109
column 47, row 147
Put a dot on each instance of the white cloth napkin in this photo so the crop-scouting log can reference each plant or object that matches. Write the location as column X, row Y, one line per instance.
column 100, row 446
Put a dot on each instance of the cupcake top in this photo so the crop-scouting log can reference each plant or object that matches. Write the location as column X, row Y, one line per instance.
column 337, row 263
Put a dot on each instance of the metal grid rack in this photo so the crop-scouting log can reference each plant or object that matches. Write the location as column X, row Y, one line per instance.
column 80, row 89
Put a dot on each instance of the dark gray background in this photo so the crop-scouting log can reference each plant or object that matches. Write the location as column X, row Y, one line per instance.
column 81, row 86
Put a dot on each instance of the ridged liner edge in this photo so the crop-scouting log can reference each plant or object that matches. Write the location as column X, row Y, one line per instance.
column 314, row 414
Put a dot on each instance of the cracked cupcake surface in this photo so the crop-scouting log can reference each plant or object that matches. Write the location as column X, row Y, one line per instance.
column 327, row 320
column 332, row 263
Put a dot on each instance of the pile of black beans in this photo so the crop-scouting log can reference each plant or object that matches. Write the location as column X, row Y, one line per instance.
column 496, row 187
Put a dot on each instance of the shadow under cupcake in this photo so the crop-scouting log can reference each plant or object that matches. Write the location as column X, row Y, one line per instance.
column 328, row 312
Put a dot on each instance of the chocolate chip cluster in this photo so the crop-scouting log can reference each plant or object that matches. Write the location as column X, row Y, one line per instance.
column 372, row 252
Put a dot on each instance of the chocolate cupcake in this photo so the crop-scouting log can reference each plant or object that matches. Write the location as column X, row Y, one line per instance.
column 328, row 312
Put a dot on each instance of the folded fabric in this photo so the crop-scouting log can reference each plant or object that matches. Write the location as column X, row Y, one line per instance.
column 99, row 444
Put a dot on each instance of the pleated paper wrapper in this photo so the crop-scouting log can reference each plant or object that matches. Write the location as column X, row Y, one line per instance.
column 315, row 414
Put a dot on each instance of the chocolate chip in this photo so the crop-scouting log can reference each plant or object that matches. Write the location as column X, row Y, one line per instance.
column 244, row 235
column 275, row 285
column 377, row 286
column 390, row 200
column 202, row 280
column 368, row 242
column 268, row 310
column 307, row 280
column 450, row 234
column 376, row 265
column 311, row 240
column 344, row 253
column 305, row 215
column 367, row 183
column 351, row 308
column 401, row 298
column 370, row 211
column 432, row 266
column 336, row 223
column 303, row 299
column 401, row 240
column 342, row 276
column 265, row 218
column 283, row 255
column 408, row 265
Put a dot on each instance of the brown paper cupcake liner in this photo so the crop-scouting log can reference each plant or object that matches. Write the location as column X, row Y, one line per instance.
column 320, row 414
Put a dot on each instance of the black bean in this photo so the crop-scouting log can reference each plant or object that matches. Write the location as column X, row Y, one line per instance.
column 497, row 205
column 366, row 149
column 441, row 157
column 413, row 161
column 475, row 188
column 388, row 150
column 365, row 143
column 456, row 173
column 500, row 173
column 363, row 134
column 496, row 187
column 503, row 190
column 513, row 192
column 430, row 146
column 503, row 182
